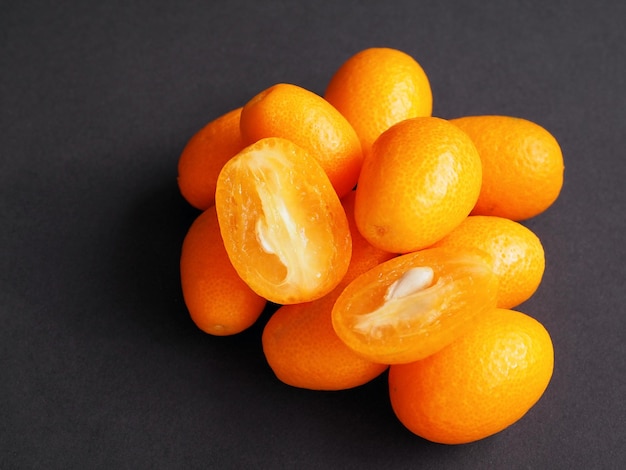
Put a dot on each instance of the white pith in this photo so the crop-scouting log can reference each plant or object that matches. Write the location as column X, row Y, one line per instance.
column 413, row 280
column 277, row 232
column 404, row 303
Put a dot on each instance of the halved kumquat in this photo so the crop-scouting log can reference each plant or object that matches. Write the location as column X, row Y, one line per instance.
column 415, row 304
column 283, row 225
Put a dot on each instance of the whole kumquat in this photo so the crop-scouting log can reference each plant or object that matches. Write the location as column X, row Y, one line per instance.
column 308, row 120
column 478, row 385
column 522, row 165
column 204, row 156
column 420, row 180
column 304, row 351
column 518, row 255
column 377, row 88
column 219, row 302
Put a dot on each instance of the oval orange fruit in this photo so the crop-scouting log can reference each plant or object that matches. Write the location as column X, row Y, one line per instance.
column 308, row 120
column 283, row 225
column 204, row 156
column 421, row 179
column 377, row 88
column 219, row 302
column 304, row 351
column 522, row 165
column 518, row 255
column 478, row 385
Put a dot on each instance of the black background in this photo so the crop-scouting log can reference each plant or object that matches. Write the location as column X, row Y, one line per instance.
column 100, row 365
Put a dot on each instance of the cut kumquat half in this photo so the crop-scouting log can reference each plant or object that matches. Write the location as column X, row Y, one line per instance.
column 413, row 305
column 283, row 225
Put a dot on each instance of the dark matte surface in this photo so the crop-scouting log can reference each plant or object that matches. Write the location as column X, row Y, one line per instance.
column 100, row 366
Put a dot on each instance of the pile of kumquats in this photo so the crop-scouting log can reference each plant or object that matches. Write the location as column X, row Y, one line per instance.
column 388, row 240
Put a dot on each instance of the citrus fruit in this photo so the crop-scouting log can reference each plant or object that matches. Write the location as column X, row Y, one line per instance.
column 478, row 385
column 377, row 88
column 415, row 304
column 518, row 255
column 283, row 225
column 420, row 180
column 299, row 342
column 304, row 351
column 522, row 165
column 308, row 120
column 219, row 302
column 204, row 156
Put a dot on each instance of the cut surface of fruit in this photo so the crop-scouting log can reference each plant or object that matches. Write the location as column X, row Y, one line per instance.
column 415, row 304
column 283, row 225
